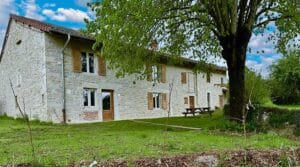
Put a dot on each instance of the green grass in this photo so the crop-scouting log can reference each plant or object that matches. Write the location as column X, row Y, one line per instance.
column 290, row 107
column 125, row 140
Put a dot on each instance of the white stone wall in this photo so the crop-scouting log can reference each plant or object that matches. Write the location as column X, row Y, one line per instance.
column 130, row 100
column 35, row 67
column 24, row 64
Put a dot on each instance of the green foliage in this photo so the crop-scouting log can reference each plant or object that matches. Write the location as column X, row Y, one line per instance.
column 125, row 30
column 256, row 88
column 285, row 79
column 297, row 122
column 280, row 117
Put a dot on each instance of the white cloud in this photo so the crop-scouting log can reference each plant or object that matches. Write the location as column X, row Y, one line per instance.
column 82, row 2
column 47, row 5
column 2, row 34
column 32, row 10
column 62, row 14
column 263, row 66
column 6, row 7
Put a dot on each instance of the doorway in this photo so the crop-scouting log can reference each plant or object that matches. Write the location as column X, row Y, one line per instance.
column 192, row 101
column 107, row 97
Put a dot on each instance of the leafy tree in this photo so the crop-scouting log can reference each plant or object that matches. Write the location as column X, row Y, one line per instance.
column 256, row 88
column 285, row 79
column 198, row 28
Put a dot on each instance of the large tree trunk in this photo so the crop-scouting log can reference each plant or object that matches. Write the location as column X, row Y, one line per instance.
column 234, row 52
column 236, row 91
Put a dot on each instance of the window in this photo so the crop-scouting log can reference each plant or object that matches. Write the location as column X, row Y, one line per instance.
column 89, row 97
column 157, row 100
column 222, row 81
column 87, row 62
column 91, row 63
column 156, row 73
column 186, row 100
column 208, row 77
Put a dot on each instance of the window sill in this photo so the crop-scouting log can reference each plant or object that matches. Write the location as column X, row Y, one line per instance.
column 90, row 108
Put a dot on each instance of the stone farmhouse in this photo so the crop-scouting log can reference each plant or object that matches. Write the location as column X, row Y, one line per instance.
column 58, row 78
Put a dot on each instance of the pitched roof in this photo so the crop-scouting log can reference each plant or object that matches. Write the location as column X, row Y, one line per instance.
column 50, row 28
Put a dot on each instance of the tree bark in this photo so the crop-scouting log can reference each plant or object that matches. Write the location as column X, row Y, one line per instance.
column 234, row 52
column 236, row 92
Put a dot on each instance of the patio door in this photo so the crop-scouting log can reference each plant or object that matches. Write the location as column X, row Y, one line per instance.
column 192, row 101
column 107, row 97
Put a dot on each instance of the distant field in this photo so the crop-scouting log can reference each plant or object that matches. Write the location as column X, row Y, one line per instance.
column 126, row 140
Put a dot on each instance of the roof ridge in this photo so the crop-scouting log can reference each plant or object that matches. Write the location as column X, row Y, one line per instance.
column 48, row 27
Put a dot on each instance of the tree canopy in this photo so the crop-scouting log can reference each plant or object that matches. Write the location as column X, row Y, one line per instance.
column 285, row 79
column 256, row 88
column 194, row 28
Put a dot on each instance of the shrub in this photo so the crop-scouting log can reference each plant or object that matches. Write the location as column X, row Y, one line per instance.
column 297, row 122
column 279, row 116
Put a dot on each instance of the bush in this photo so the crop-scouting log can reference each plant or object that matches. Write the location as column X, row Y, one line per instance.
column 278, row 117
column 253, row 122
column 297, row 122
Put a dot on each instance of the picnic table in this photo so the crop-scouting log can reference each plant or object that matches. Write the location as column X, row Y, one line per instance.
column 197, row 110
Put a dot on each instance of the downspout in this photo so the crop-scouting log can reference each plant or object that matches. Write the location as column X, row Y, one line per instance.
column 63, row 80
column 196, row 88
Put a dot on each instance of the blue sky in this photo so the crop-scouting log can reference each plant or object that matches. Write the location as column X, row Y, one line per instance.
column 70, row 13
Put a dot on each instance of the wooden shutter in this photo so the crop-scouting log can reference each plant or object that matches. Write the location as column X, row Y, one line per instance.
column 150, row 101
column 183, row 78
column 164, row 101
column 76, row 56
column 101, row 66
column 163, row 73
column 149, row 72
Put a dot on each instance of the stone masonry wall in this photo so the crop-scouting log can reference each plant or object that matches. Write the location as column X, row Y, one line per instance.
column 130, row 100
column 24, row 63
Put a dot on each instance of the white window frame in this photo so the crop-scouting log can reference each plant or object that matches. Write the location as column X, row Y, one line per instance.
column 89, row 97
column 157, row 100
column 87, row 59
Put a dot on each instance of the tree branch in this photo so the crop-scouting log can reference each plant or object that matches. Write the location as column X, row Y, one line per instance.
column 272, row 19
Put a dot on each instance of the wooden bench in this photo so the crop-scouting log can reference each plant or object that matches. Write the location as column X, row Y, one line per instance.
column 198, row 110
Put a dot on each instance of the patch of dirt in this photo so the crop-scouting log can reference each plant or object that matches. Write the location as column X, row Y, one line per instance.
column 257, row 158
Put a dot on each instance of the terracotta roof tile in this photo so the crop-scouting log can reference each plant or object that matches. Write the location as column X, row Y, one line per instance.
column 49, row 27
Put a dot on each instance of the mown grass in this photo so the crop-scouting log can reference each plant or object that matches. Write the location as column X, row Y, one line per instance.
column 290, row 107
column 125, row 140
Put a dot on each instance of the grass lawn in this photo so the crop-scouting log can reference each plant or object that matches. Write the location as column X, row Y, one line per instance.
column 125, row 140
column 290, row 107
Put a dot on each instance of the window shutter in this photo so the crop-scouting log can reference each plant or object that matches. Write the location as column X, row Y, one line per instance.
column 163, row 73
column 164, row 101
column 76, row 60
column 183, row 77
column 150, row 101
column 101, row 66
column 149, row 72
